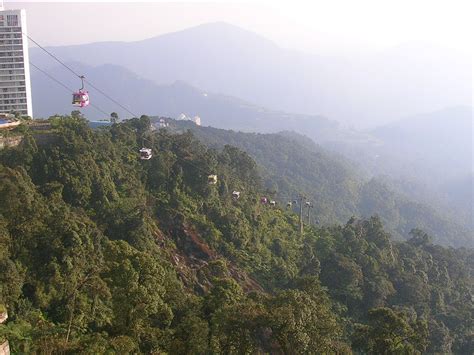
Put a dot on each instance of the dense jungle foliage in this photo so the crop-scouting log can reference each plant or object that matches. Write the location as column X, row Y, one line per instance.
column 101, row 252
column 291, row 163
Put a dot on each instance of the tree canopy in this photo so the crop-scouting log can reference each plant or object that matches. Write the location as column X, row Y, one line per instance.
column 101, row 252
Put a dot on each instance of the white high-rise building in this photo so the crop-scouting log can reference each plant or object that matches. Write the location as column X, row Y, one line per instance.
column 15, row 85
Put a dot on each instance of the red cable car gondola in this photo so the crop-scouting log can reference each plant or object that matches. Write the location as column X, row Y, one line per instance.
column 81, row 98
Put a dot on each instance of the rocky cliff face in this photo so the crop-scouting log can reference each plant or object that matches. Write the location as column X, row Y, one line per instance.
column 4, row 346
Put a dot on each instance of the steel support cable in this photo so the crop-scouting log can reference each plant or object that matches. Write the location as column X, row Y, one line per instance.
column 64, row 86
column 79, row 76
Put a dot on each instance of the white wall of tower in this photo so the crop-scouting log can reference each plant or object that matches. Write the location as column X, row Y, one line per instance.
column 15, row 80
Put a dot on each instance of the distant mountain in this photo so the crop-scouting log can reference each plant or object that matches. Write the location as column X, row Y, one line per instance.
column 221, row 58
column 292, row 164
column 435, row 147
column 438, row 143
column 428, row 156
column 461, row 194
column 140, row 96
column 442, row 139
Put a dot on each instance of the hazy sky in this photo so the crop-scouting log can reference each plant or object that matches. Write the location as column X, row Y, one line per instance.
column 322, row 26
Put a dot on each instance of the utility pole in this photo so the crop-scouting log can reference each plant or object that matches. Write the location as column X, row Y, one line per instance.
column 302, row 199
column 310, row 206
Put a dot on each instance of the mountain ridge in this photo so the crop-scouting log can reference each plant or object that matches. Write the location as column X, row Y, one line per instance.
column 259, row 71
column 171, row 100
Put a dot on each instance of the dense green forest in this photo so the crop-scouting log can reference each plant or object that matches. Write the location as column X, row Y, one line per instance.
column 291, row 164
column 101, row 252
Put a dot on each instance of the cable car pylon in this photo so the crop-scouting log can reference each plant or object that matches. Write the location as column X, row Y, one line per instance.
column 302, row 198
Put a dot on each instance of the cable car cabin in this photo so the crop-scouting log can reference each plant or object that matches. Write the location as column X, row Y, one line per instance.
column 308, row 204
column 80, row 98
column 295, row 202
column 145, row 154
column 289, row 204
column 263, row 200
column 212, row 179
column 235, row 195
column 273, row 203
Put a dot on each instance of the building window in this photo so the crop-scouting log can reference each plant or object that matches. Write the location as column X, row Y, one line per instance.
column 12, row 20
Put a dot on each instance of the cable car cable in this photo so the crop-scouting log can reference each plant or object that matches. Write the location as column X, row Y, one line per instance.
column 52, row 55
column 79, row 76
column 110, row 98
column 64, row 86
column 50, row 76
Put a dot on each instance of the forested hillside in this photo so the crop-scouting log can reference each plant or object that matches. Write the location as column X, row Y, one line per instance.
column 101, row 252
column 292, row 164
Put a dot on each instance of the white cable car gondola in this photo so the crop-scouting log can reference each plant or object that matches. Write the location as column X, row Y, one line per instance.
column 212, row 179
column 236, row 195
column 81, row 98
column 145, row 154
column 272, row 203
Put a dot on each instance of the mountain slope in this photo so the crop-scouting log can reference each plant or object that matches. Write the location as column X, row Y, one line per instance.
column 293, row 164
column 221, row 58
column 105, row 253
